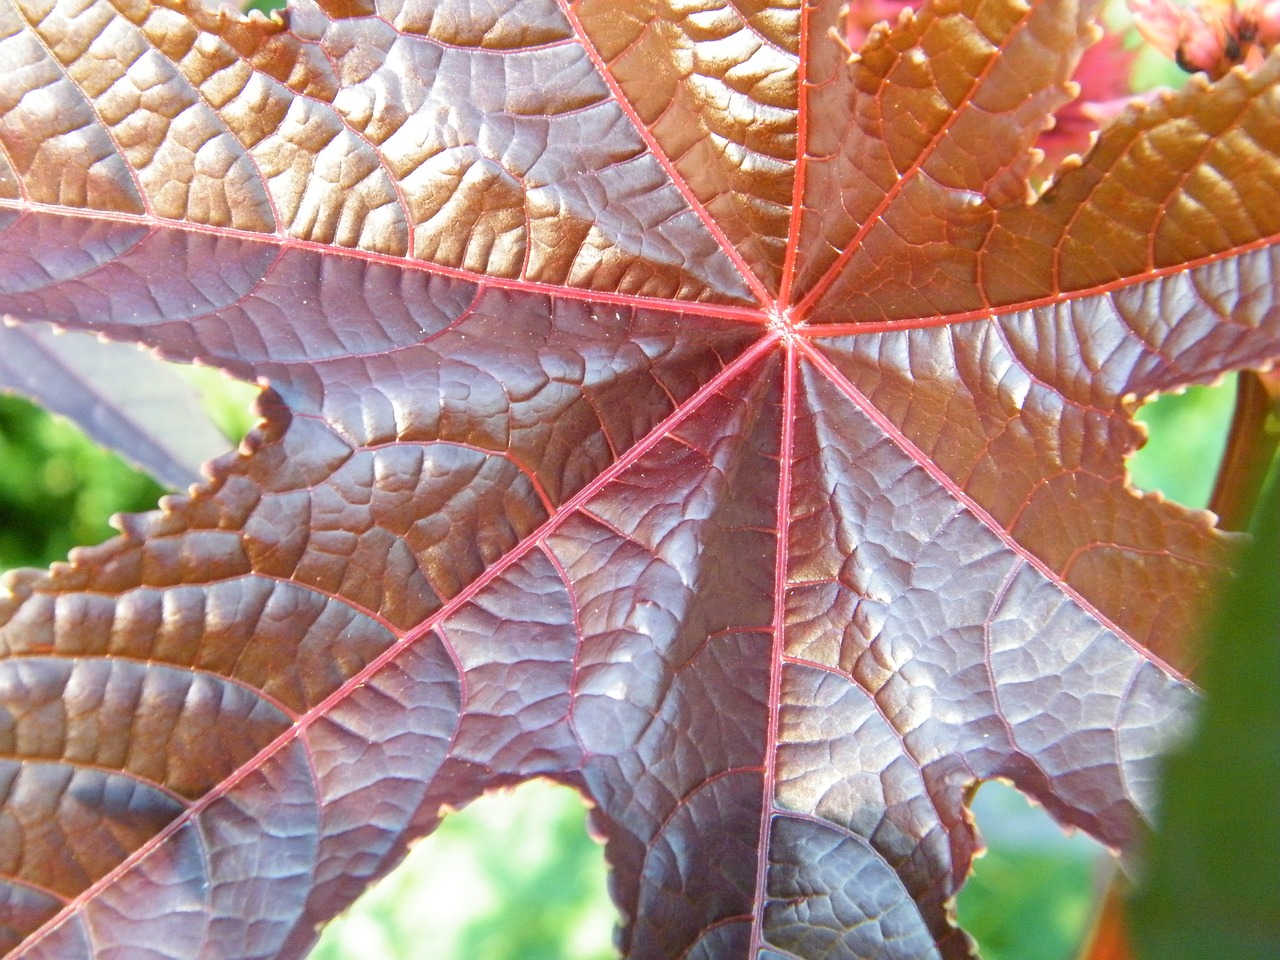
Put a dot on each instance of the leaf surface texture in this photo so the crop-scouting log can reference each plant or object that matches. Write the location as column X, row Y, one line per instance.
column 661, row 403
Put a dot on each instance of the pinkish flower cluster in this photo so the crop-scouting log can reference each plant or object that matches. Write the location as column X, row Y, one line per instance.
column 1104, row 75
column 1214, row 35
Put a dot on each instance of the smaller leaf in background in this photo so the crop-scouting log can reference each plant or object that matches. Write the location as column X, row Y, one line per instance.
column 861, row 15
column 228, row 402
column 513, row 876
column 123, row 397
column 1211, row 884
column 1105, row 77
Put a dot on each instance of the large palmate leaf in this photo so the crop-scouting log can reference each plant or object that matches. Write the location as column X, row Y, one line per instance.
column 662, row 404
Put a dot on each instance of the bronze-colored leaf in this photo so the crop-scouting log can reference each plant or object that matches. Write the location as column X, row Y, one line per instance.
column 660, row 403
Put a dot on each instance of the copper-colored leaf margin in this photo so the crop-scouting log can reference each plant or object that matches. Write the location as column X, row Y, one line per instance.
column 921, row 139
column 1184, row 181
column 540, row 177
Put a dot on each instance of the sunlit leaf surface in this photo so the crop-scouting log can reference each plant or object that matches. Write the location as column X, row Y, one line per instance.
column 663, row 404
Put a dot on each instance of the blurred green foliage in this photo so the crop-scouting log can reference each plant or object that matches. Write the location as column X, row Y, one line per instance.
column 1212, row 876
column 1188, row 432
column 1029, row 904
column 1031, row 895
column 263, row 6
column 516, row 875
column 56, row 488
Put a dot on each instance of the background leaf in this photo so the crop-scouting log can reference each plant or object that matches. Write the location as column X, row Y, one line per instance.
column 122, row 397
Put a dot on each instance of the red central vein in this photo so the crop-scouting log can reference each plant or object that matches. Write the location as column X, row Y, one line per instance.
column 1068, row 296
column 892, row 431
column 724, row 311
column 802, row 146
column 660, row 155
column 783, row 526
column 358, row 680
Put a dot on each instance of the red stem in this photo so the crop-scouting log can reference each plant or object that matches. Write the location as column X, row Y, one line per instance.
column 1252, row 442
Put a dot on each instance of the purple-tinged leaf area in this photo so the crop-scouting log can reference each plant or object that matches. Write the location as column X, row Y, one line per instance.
column 383, row 353
column 1050, row 430
column 661, row 403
